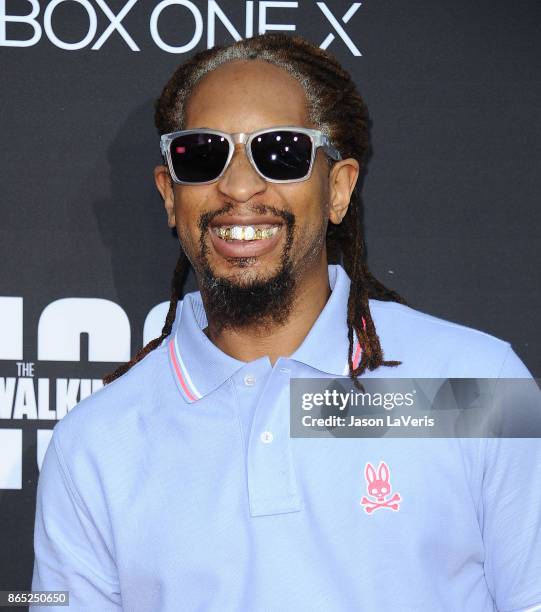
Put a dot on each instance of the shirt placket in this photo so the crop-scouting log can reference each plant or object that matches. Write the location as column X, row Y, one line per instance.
column 272, row 482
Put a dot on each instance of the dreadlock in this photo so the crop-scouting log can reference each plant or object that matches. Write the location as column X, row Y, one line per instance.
column 337, row 109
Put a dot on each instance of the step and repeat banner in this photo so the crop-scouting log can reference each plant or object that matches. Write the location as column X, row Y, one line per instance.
column 451, row 195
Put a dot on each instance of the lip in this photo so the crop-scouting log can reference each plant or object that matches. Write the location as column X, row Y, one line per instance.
column 244, row 248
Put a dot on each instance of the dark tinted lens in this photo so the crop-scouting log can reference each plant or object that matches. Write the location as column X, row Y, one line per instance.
column 282, row 155
column 199, row 157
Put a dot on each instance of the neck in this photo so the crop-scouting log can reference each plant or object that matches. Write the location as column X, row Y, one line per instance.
column 251, row 342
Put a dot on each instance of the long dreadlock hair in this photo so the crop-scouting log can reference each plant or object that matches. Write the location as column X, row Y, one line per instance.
column 338, row 110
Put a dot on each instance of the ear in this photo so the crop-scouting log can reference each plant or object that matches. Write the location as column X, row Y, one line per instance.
column 369, row 473
column 342, row 180
column 164, row 184
column 383, row 472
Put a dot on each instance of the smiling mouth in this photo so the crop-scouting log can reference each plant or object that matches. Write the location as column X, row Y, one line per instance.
column 246, row 233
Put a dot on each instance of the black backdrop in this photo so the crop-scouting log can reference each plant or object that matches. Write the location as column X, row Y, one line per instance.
column 451, row 195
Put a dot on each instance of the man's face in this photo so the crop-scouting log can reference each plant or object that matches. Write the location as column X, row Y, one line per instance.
column 257, row 280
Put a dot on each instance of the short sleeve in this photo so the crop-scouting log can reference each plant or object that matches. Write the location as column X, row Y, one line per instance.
column 513, row 367
column 512, row 513
column 70, row 553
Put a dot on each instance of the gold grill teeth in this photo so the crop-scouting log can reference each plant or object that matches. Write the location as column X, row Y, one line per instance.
column 228, row 234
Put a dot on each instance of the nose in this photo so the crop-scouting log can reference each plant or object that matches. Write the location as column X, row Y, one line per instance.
column 240, row 181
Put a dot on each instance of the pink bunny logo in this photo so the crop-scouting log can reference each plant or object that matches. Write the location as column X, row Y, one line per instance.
column 379, row 487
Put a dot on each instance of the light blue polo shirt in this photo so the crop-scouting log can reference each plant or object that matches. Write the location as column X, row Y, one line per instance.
column 178, row 488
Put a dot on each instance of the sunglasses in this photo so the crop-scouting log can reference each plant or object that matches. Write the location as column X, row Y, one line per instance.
column 280, row 154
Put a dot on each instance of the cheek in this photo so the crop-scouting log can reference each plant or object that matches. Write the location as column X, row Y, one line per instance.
column 188, row 209
column 186, row 239
column 316, row 192
column 310, row 228
column 312, row 209
column 307, row 200
column 188, row 234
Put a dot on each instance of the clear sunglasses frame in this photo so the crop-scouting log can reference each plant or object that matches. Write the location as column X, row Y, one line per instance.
column 317, row 138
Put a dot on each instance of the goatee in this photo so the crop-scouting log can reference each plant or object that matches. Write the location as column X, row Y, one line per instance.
column 262, row 302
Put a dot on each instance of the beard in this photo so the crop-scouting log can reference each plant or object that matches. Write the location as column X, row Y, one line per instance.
column 258, row 301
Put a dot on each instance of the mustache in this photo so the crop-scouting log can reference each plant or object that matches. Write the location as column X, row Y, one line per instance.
column 261, row 209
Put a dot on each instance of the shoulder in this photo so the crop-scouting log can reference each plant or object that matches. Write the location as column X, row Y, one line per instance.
column 100, row 420
column 401, row 318
column 436, row 346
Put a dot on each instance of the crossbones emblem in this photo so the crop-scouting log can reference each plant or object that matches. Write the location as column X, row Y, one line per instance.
column 379, row 487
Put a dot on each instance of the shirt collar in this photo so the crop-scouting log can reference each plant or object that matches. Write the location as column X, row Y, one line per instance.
column 199, row 366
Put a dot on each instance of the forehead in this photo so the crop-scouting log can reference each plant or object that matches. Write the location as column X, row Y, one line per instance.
column 246, row 95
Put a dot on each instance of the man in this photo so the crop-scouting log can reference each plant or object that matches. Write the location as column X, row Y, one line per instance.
column 178, row 486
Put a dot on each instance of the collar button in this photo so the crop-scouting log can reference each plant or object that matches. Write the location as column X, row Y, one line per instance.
column 249, row 380
column 266, row 437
